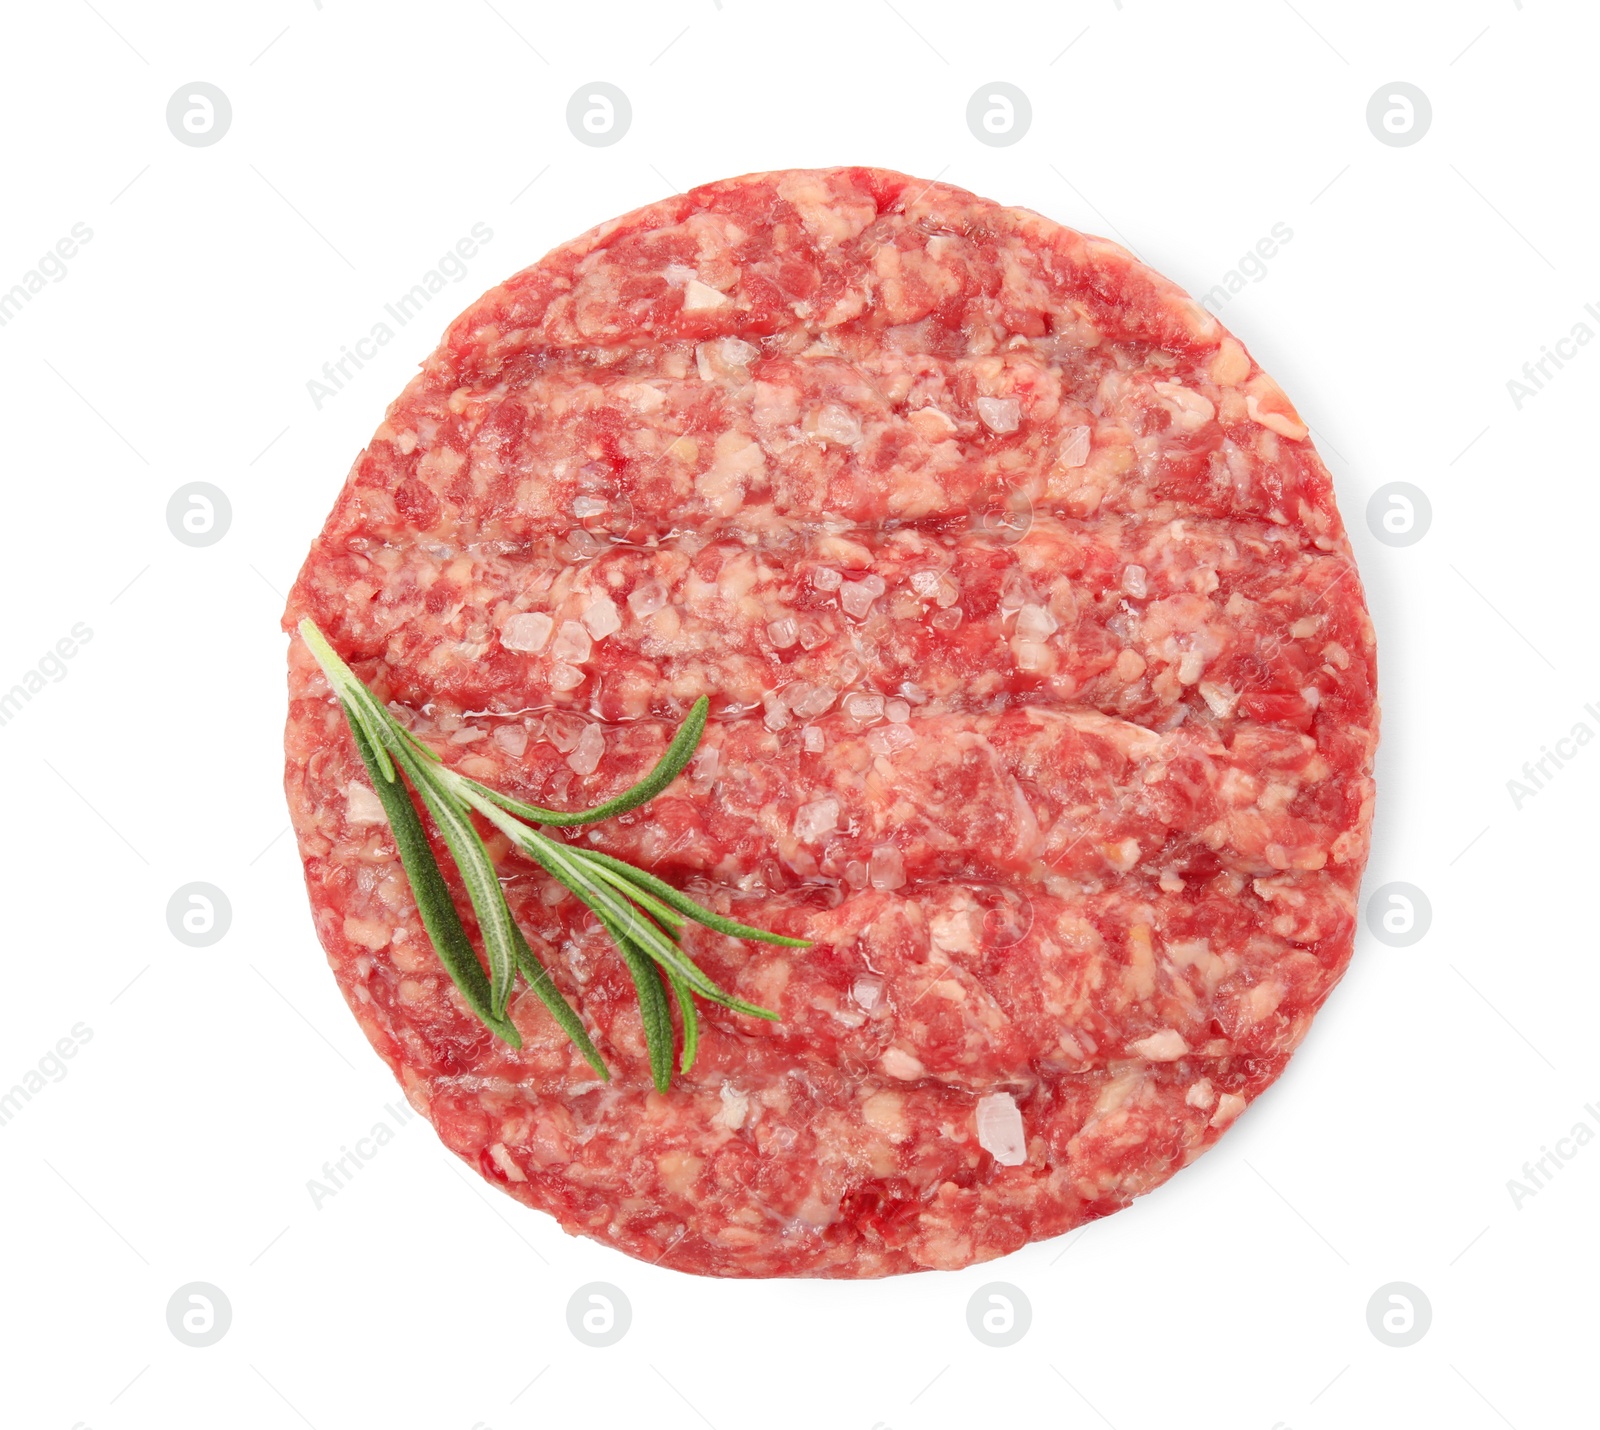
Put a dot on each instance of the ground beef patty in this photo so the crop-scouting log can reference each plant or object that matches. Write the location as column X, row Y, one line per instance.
column 1043, row 701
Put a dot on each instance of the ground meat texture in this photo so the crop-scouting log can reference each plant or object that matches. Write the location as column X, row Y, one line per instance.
column 1043, row 701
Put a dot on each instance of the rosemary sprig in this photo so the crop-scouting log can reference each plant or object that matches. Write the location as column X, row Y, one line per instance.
column 643, row 915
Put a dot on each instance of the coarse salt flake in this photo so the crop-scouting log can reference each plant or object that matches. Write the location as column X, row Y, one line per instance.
column 573, row 644
column 809, row 701
column 856, row 597
column 601, row 617
column 1000, row 1130
column 862, row 706
column 816, row 820
column 527, row 632
column 887, row 868
column 1000, row 414
column 647, row 598
column 1074, row 450
column 513, row 739
column 886, row 739
column 585, row 756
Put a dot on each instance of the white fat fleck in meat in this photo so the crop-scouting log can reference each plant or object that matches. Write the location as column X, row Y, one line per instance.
column 816, row 820
column 836, row 425
column 1134, row 581
column 1035, row 623
column 362, row 805
column 698, row 297
column 573, row 644
column 1229, row 1106
column 527, row 632
column 898, row 1063
column 1000, row 1130
column 1000, row 414
column 735, row 1108
column 368, row 933
column 586, row 754
column 505, row 1162
column 1165, row 1045
column 1192, row 666
column 931, row 424
column 1191, row 409
column 1220, row 699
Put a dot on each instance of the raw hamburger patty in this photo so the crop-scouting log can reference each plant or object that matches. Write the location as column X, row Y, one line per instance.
column 1043, row 701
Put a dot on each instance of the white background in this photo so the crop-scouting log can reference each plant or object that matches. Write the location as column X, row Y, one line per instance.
column 365, row 140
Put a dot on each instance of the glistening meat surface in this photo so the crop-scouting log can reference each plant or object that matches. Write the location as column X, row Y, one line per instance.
column 1043, row 702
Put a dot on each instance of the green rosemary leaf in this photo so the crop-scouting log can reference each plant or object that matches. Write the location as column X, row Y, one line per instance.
column 664, row 914
column 642, row 914
column 622, row 918
column 355, row 699
column 691, row 1020
column 652, row 1007
column 566, row 1016
column 667, row 769
column 477, row 873
column 658, row 944
column 428, row 888
column 681, row 902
